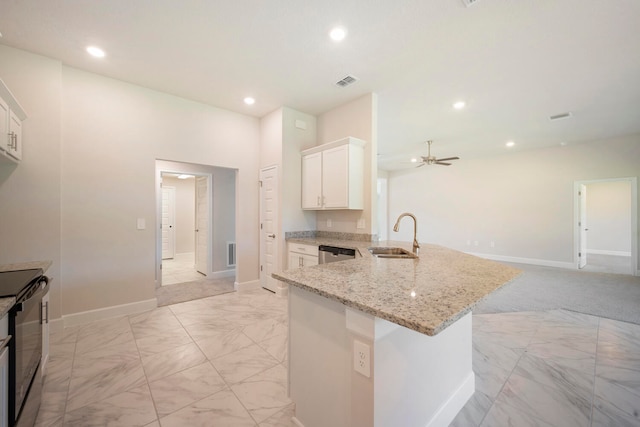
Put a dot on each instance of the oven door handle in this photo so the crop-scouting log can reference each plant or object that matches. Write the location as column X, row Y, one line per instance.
column 4, row 342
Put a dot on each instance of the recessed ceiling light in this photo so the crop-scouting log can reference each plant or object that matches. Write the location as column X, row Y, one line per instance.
column 249, row 100
column 338, row 34
column 510, row 144
column 459, row 105
column 414, row 160
column 96, row 52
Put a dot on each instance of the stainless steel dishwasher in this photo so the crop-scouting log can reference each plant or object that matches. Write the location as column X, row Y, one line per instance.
column 327, row 254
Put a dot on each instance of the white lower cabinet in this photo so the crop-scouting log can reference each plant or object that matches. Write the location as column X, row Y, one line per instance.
column 302, row 255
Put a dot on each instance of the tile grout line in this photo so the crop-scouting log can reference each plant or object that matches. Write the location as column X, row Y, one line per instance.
column 493, row 401
column 595, row 371
column 144, row 372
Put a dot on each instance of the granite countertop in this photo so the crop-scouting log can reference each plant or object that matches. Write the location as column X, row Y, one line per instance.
column 8, row 302
column 425, row 294
column 44, row 265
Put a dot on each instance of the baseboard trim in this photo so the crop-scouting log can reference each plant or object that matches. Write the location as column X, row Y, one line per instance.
column 222, row 274
column 606, row 252
column 532, row 261
column 247, row 286
column 56, row 325
column 448, row 411
column 84, row 317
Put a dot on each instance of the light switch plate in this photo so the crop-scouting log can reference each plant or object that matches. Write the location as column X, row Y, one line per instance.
column 360, row 223
column 142, row 224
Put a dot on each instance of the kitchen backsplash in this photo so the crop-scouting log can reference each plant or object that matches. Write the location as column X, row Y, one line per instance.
column 331, row 235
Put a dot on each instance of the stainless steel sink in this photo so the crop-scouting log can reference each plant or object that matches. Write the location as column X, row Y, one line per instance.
column 383, row 252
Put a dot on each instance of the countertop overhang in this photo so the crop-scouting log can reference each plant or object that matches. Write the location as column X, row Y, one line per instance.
column 426, row 294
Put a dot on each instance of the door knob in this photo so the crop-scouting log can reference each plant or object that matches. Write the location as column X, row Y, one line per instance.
column 273, row 236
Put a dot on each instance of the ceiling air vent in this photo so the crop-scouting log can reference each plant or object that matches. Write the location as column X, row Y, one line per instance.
column 469, row 2
column 560, row 116
column 346, row 81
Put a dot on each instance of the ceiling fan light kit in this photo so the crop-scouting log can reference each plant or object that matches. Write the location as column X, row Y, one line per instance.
column 432, row 160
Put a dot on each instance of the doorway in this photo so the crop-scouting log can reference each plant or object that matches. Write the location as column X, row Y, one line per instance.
column 269, row 228
column 606, row 221
column 204, row 223
column 184, row 212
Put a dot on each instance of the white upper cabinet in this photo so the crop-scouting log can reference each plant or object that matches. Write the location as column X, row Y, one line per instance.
column 333, row 175
column 312, row 181
column 11, row 117
column 15, row 136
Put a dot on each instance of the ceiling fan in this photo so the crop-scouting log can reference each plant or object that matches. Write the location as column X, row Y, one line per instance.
column 432, row 160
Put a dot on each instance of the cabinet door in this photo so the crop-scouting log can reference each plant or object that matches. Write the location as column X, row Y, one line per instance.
column 335, row 177
column 15, row 136
column 312, row 181
column 309, row 260
column 294, row 261
column 4, row 126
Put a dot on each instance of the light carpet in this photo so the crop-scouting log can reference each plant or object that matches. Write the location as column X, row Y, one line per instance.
column 181, row 292
column 614, row 296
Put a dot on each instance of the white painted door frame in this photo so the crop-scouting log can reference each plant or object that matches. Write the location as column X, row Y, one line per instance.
column 270, row 237
column 634, row 219
column 203, row 225
column 159, row 173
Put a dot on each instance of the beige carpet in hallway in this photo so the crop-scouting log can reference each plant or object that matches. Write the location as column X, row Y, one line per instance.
column 181, row 292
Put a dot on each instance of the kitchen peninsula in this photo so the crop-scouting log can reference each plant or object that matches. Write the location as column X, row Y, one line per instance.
column 385, row 342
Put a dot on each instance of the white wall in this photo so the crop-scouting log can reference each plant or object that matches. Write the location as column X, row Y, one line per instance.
column 609, row 217
column 522, row 201
column 184, row 224
column 89, row 173
column 224, row 215
column 30, row 193
column 357, row 118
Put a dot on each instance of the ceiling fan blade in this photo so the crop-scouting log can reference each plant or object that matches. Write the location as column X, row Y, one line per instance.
column 448, row 158
column 420, row 165
column 443, row 164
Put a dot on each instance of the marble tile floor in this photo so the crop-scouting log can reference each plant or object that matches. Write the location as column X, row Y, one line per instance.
column 217, row 361
column 221, row 361
column 556, row 368
column 180, row 269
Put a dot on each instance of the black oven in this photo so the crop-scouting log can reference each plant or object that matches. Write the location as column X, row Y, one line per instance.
column 25, row 347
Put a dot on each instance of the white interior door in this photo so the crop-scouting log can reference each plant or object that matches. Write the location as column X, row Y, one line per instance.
column 168, row 221
column 202, row 223
column 582, row 259
column 269, row 253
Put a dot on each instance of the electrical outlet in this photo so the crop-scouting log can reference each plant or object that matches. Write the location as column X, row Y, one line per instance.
column 362, row 358
column 468, row 242
column 360, row 223
column 492, row 244
column 329, row 224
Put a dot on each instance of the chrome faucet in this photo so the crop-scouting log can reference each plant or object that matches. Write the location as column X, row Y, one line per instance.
column 416, row 245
